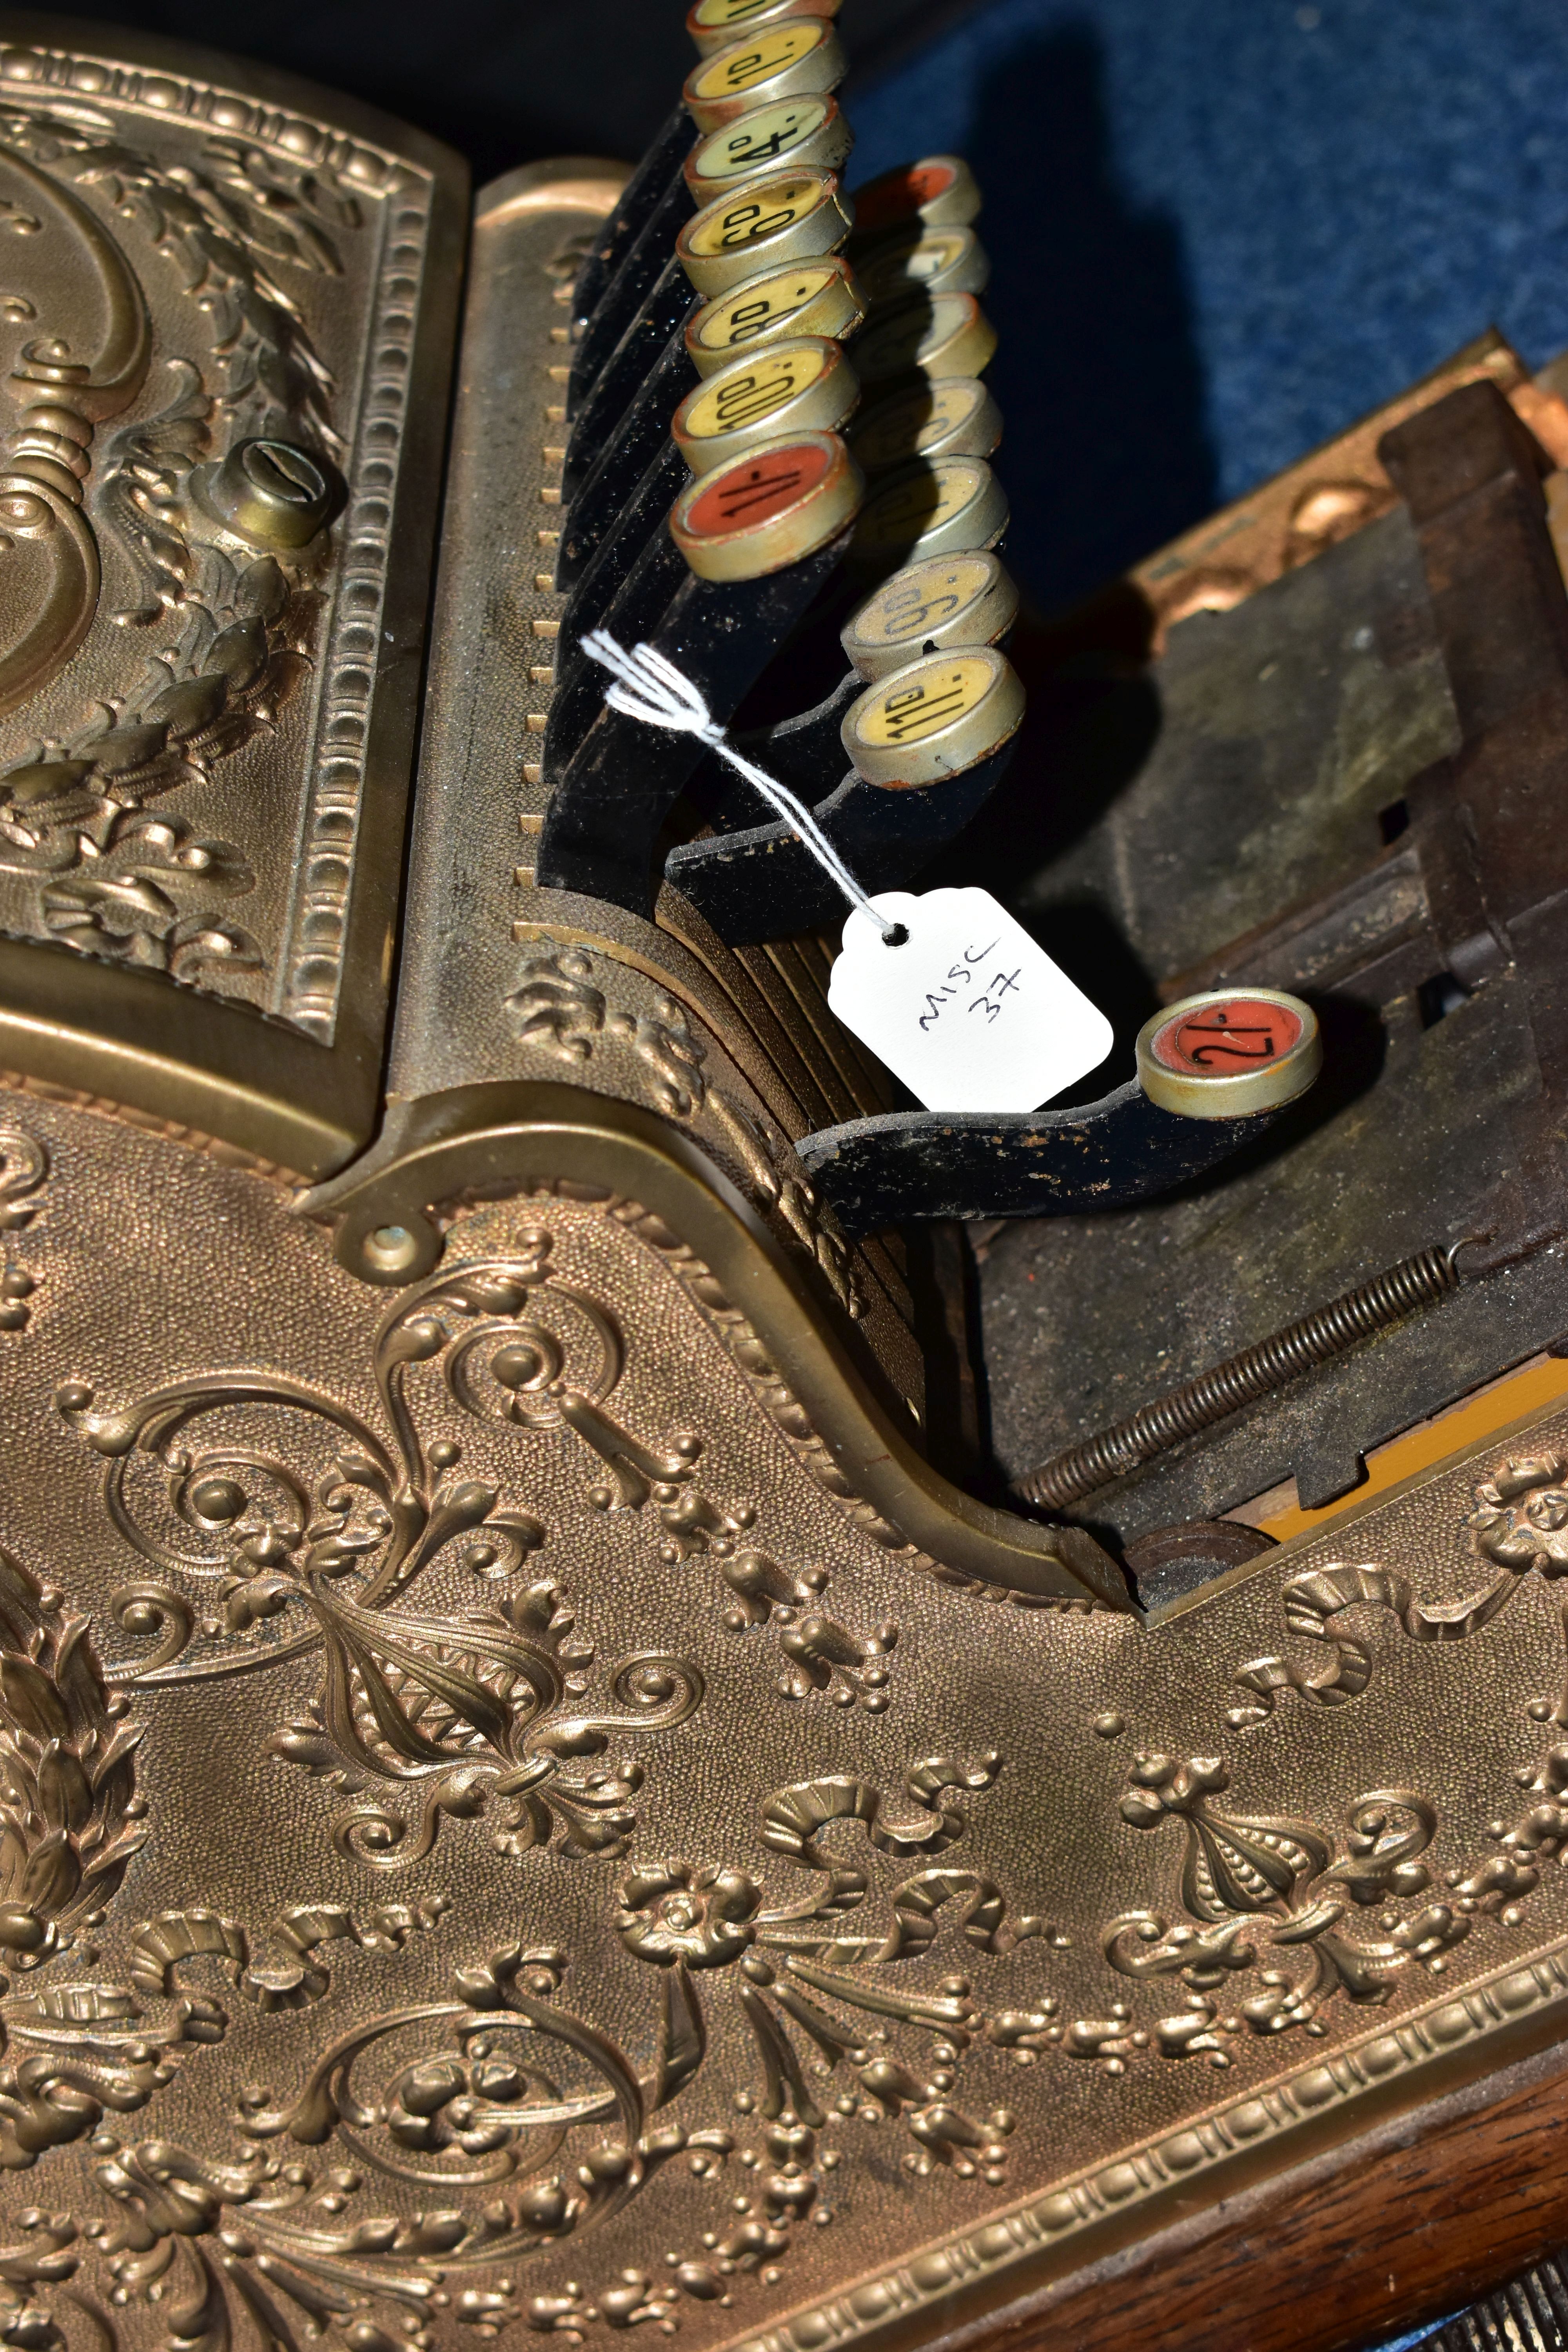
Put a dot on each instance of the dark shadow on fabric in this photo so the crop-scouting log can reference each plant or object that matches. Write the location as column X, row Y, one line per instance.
column 1108, row 452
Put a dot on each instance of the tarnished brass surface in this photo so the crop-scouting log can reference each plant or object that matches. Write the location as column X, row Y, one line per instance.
column 1326, row 496
column 500, row 980
column 525, row 1802
column 226, row 331
column 493, row 1831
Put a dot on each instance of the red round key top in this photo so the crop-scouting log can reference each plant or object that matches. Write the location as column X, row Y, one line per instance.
column 757, row 490
column 940, row 190
column 1227, row 1056
column 1240, row 1034
column 779, row 502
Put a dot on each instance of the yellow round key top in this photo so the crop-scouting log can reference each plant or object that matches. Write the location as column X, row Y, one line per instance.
column 936, row 416
column 809, row 132
column 805, row 386
column 798, row 59
column 715, row 24
column 933, row 719
column 782, row 216
column 936, row 507
column 942, row 601
column 819, row 298
column 942, row 261
column 939, row 334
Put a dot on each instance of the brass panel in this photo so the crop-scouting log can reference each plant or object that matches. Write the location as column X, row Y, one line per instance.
column 495, row 1834
column 500, row 980
column 205, row 728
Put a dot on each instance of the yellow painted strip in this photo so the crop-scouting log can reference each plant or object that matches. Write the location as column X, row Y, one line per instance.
column 1492, row 1408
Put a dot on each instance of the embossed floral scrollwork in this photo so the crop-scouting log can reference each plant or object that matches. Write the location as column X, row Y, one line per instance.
column 804, row 1978
column 453, row 1713
column 1519, row 1525
column 103, row 872
column 24, row 1170
column 341, row 1543
column 1256, row 1891
column 702, row 1918
column 71, row 1819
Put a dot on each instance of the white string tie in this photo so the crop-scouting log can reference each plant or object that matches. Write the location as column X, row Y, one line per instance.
column 650, row 688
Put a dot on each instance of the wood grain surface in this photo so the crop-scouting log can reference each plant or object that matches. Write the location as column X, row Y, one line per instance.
column 1410, row 2225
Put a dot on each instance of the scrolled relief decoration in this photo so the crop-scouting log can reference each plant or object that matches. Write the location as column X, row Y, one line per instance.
column 1519, row 1526
column 513, row 2123
column 1281, row 1925
column 262, row 1557
column 23, row 1171
column 216, row 502
column 560, row 1006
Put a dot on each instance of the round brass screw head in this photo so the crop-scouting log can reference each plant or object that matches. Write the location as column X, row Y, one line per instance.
column 935, row 718
column 938, row 192
column 935, row 334
column 943, row 601
column 1228, row 1054
column 796, row 58
column 936, row 505
column 817, row 297
column 781, row 502
column 717, row 24
column 273, row 493
column 934, row 416
column 779, row 217
column 805, row 386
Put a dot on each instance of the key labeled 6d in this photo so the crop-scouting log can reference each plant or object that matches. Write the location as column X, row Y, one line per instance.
column 781, row 217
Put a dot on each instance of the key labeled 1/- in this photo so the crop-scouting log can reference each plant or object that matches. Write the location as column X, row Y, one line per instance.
column 962, row 1005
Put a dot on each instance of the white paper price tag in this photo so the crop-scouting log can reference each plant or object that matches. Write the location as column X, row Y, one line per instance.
column 968, row 1012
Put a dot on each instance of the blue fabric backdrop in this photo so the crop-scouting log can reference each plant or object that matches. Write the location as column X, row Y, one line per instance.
column 1221, row 229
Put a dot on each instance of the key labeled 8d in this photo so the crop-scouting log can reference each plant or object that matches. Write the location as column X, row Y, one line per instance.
column 817, row 298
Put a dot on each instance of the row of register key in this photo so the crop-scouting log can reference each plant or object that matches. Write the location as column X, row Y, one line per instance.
column 777, row 491
column 778, row 476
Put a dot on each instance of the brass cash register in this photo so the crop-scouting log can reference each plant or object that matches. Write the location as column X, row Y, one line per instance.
column 642, row 1682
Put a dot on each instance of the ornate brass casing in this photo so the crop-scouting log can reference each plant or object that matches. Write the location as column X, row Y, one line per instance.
column 228, row 325
column 529, row 1804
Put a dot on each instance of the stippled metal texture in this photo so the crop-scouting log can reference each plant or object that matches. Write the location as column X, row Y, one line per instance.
column 493, row 1834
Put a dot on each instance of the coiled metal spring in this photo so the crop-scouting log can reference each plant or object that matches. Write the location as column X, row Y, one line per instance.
column 1267, row 1365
